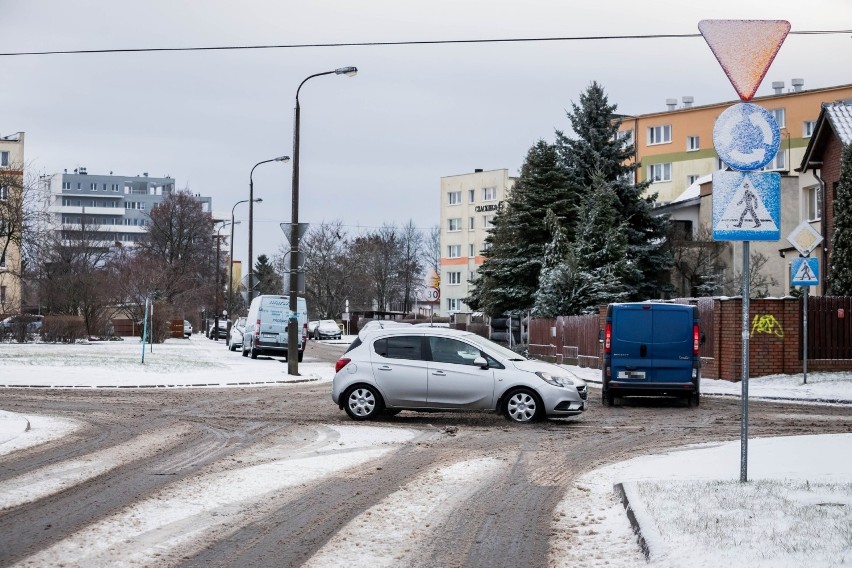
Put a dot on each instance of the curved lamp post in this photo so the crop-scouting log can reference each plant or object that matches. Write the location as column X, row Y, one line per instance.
column 251, row 201
column 231, row 255
column 216, row 289
column 293, row 334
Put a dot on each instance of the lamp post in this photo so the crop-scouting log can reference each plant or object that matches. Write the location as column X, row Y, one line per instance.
column 231, row 255
column 216, row 289
column 293, row 333
column 251, row 201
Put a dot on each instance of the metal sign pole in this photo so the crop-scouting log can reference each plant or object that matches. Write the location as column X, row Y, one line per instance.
column 805, row 334
column 745, row 365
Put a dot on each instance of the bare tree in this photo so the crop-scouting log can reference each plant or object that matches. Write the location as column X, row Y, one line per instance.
column 378, row 254
column 325, row 247
column 410, row 265
column 432, row 253
column 699, row 262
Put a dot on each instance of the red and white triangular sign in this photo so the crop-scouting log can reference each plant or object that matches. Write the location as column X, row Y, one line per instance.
column 745, row 49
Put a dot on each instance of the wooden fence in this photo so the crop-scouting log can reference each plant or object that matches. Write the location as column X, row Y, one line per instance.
column 829, row 327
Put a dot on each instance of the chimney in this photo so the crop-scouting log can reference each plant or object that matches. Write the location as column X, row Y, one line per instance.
column 687, row 101
column 671, row 103
column 778, row 86
column 797, row 84
column 83, row 170
column 477, row 170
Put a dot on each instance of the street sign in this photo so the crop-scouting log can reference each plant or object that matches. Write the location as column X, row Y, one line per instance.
column 805, row 272
column 746, row 136
column 804, row 238
column 745, row 49
column 303, row 228
column 746, row 206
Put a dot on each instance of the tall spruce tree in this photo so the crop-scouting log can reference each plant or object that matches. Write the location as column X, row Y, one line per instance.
column 598, row 147
column 841, row 239
column 509, row 277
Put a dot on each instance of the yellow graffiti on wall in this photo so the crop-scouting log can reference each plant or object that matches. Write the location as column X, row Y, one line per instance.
column 767, row 323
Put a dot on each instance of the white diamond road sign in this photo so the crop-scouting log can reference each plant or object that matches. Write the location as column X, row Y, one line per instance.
column 804, row 238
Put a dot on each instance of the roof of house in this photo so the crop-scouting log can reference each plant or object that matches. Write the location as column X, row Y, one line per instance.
column 834, row 117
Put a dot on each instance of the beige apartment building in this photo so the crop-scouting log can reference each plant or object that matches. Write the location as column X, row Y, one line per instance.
column 11, row 182
column 468, row 205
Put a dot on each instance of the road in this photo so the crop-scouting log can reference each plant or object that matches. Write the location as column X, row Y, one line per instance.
column 160, row 442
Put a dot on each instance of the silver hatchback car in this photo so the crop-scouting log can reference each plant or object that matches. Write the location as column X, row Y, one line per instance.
column 385, row 371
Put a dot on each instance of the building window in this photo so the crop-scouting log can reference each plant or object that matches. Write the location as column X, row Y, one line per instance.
column 486, row 246
column 2, row 261
column 808, row 128
column 4, row 159
column 79, row 185
column 779, row 115
column 625, row 137
column 453, row 304
column 812, row 203
column 489, row 194
column 104, row 187
column 115, row 187
column 692, row 143
column 471, row 195
column 66, row 185
column 471, row 250
column 691, row 179
column 660, row 134
column 470, row 224
column 660, row 172
column 453, row 197
column 93, row 186
column 778, row 163
column 453, row 251
column 2, row 294
column 472, row 276
column 454, row 224
column 453, row 277
column 4, row 193
column 487, row 221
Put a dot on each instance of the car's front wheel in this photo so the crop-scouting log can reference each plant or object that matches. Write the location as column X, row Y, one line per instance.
column 363, row 402
column 523, row 405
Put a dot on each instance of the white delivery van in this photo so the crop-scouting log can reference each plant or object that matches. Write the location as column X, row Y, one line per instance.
column 267, row 326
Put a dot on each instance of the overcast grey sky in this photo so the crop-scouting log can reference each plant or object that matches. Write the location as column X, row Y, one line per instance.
column 373, row 147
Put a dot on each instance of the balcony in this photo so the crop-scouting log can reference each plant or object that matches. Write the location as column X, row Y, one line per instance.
column 79, row 210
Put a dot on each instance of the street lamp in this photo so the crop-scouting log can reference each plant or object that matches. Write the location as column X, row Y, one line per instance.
column 251, row 201
column 231, row 256
column 293, row 334
column 216, row 289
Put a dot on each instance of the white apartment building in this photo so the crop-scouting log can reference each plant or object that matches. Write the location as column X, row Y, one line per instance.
column 468, row 205
column 116, row 208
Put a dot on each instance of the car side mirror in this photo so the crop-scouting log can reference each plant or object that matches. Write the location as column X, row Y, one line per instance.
column 481, row 362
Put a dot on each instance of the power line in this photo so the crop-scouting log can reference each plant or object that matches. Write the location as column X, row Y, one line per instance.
column 389, row 43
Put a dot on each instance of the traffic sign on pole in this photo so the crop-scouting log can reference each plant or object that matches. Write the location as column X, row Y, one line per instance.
column 804, row 272
column 804, row 238
column 746, row 136
column 746, row 206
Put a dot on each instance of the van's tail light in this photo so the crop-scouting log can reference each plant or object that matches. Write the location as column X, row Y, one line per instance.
column 257, row 329
column 696, row 339
column 608, row 338
column 304, row 331
column 342, row 362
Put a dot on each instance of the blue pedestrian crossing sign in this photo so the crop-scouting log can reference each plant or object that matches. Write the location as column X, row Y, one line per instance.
column 746, row 206
column 746, row 136
column 805, row 271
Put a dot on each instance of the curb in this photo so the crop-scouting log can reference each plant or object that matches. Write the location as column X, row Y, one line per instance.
column 637, row 530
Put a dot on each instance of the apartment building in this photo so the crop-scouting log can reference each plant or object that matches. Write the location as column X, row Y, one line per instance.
column 675, row 146
column 468, row 205
column 11, row 184
column 115, row 208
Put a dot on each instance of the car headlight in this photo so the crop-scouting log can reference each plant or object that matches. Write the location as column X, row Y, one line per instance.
column 557, row 381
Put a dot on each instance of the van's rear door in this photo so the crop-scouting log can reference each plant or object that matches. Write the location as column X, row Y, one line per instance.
column 672, row 342
column 632, row 326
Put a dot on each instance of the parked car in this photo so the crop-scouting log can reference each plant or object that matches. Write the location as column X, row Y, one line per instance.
column 432, row 324
column 235, row 337
column 312, row 329
column 222, row 331
column 383, row 324
column 385, row 371
column 30, row 323
column 328, row 329
column 187, row 328
column 651, row 348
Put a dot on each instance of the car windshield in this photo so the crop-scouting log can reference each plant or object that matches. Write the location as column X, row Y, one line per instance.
column 495, row 348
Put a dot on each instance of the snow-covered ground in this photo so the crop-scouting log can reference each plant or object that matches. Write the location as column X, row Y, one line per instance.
column 796, row 509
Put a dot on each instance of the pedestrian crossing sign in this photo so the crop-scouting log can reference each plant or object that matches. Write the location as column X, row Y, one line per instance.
column 805, row 272
column 746, row 206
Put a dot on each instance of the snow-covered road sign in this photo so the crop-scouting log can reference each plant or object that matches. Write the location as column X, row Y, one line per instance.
column 746, row 136
column 804, row 238
column 805, row 272
column 746, row 206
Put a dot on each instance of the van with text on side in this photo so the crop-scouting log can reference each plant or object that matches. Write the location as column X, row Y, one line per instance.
column 651, row 348
column 267, row 326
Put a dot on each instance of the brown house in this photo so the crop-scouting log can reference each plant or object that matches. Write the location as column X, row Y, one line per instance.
column 822, row 157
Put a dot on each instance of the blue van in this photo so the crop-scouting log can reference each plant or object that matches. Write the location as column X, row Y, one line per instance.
column 651, row 348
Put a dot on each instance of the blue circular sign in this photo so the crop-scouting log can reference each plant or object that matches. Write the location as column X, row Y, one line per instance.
column 746, row 136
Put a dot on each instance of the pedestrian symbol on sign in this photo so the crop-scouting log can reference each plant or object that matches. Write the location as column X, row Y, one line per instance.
column 750, row 200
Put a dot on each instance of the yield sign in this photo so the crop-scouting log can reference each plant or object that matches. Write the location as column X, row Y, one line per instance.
column 745, row 49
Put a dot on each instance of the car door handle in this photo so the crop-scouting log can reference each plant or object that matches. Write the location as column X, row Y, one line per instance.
column 385, row 368
column 439, row 373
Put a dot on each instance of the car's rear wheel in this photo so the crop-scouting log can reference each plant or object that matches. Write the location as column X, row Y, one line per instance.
column 363, row 402
column 523, row 405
